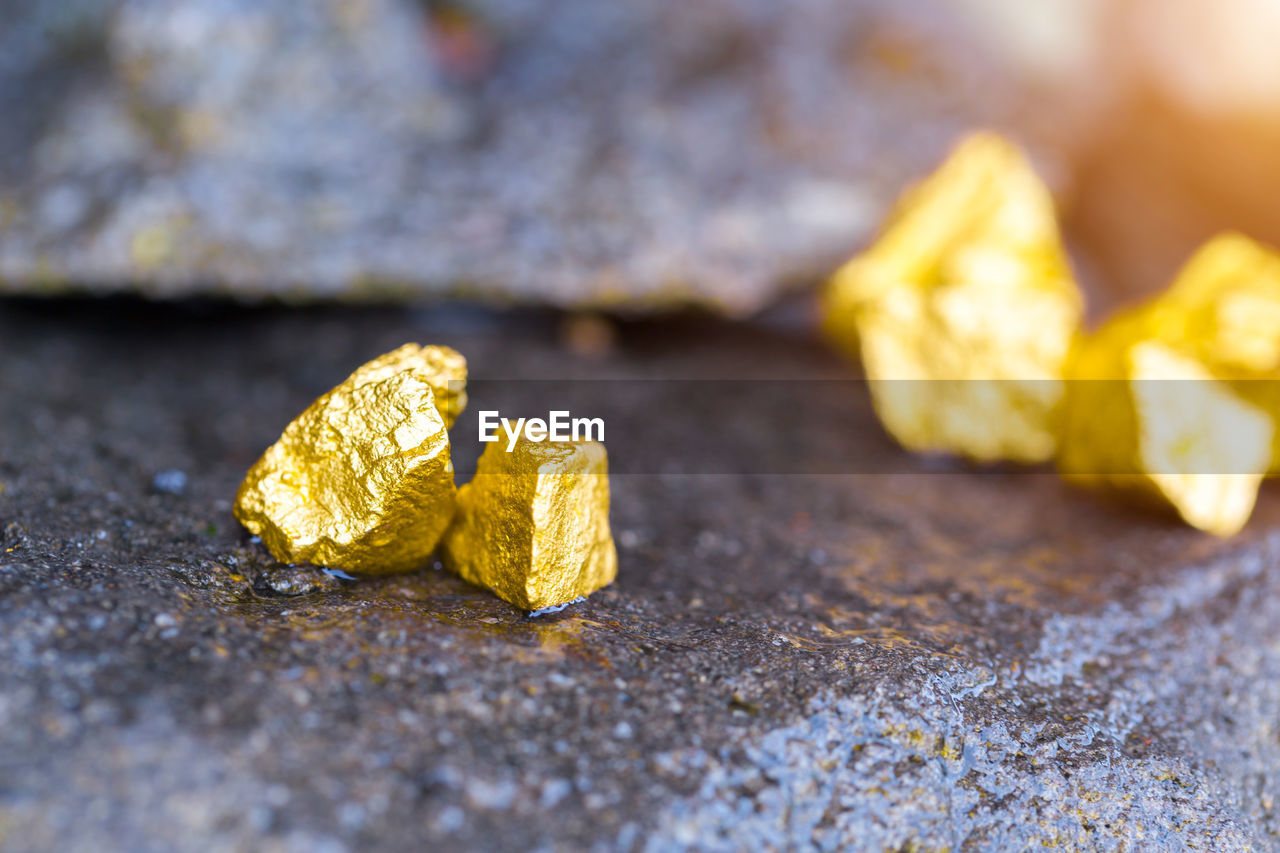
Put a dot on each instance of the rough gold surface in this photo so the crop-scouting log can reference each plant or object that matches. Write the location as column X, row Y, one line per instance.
column 444, row 369
column 533, row 525
column 964, row 309
column 1144, row 415
column 363, row 480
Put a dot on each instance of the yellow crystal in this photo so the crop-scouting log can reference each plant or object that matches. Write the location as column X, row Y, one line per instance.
column 964, row 309
column 533, row 525
column 1141, row 413
column 363, row 480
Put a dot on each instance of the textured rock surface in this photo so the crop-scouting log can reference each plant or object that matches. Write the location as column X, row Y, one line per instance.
column 925, row 658
column 571, row 152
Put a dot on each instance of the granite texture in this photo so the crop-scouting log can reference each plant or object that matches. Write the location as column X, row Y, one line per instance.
column 636, row 154
column 925, row 657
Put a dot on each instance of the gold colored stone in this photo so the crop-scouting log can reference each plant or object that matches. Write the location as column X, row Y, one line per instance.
column 444, row 369
column 964, row 309
column 1224, row 310
column 363, row 480
column 533, row 525
column 1225, row 306
column 1142, row 414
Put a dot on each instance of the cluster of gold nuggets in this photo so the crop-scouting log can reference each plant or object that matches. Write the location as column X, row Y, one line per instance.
column 362, row 481
column 967, row 320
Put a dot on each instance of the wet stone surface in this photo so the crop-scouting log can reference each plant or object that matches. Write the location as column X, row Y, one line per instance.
column 929, row 657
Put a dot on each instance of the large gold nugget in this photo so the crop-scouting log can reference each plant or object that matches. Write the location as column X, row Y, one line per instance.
column 443, row 368
column 533, row 525
column 362, row 480
column 964, row 309
column 1142, row 415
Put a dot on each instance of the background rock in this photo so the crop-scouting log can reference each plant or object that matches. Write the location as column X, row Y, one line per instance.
column 629, row 153
column 637, row 155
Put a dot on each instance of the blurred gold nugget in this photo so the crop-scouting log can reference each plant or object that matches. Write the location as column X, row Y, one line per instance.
column 363, row 480
column 1145, row 411
column 533, row 525
column 967, row 288
column 1224, row 309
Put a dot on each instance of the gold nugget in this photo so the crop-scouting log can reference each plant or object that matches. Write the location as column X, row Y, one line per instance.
column 533, row 525
column 964, row 309
column 1224, row 310
column 363, row 480
column 1143, row 414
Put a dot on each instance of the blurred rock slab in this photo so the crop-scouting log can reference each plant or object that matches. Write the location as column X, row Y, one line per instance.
column 926, row 657
column 627, row 154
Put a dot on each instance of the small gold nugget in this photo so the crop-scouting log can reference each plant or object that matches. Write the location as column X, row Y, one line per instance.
column 1141, row 413
column 964, row 309
column 1224, row 310
column 363, row 480
column 533, row 525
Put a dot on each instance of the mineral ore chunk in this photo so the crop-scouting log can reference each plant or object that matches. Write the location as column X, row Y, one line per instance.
column 444, row 368
column 1142, row 414
column 533, row 525
column 1224, row 309
column 363, row 480
column 964, row 309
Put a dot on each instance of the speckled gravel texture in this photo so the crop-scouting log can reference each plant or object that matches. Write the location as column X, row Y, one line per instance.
column 632, row 153
column 927, row 658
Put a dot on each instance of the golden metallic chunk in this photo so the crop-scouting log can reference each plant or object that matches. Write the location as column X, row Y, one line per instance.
column 363, row 480
column 443, row 368
column 1224, row 310
column 533, row 525
column 1142, row 414
column 964, row 309
column 1225, row 307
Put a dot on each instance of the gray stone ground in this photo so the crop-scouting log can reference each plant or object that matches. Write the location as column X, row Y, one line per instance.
column 925, row 658
column 636, row 153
